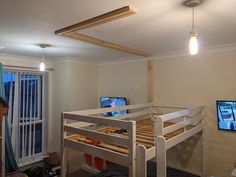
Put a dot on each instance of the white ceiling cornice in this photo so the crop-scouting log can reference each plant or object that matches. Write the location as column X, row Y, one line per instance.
column 9, row 58
column 175, row 54
column 17, row 60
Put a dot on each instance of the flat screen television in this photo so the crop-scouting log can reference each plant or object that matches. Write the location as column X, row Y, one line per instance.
column 226, row 115
column 107, row 102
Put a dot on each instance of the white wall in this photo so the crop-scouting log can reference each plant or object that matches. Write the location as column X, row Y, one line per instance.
column 201, row 80
column 125, row 79
column 75, row 88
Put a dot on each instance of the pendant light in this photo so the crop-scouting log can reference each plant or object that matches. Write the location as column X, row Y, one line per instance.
column 193, row 41
column 42, row 65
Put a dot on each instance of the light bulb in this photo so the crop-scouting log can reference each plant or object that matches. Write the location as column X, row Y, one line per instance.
column 193, row 44
column 42, row 66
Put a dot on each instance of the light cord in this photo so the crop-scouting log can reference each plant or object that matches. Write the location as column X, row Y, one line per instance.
column 193, row 25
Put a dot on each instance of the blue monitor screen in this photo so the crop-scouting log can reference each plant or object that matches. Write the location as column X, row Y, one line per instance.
column 107, row 102
column 226, row 115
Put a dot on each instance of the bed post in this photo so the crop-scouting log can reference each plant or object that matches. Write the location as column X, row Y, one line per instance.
column 132, row 149
column 63, row 153
column 161, row 156
column 160, row 143
column 141, row 161
column 203, row 143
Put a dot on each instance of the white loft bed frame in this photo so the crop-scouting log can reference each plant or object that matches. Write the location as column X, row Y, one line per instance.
column 138, row 155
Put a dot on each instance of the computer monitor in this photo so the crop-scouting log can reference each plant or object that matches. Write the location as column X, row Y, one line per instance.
column 226, row 115
column 107, row 102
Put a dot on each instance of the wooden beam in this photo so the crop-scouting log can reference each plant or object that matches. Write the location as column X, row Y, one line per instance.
column 150, row 81
column 72, row 31
column 98, row 20
column 103, row 43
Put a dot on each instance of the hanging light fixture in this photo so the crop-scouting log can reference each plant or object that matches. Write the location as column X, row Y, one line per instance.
column 193, row 41
column 42, row 65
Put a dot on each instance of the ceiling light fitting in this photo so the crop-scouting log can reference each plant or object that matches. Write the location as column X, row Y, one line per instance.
column 42, row 65
column 193, row 41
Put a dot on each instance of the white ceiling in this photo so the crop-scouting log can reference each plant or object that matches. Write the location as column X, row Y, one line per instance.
column 159, row 27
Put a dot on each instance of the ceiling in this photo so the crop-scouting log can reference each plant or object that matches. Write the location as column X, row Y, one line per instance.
column 159, row 27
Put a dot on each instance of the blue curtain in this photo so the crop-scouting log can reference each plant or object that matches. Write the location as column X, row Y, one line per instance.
column 10, row 160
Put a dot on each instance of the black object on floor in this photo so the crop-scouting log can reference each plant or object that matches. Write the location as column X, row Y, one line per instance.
column 121, row 171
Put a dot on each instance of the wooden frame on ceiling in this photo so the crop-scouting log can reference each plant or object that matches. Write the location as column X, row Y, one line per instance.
column 73, row 30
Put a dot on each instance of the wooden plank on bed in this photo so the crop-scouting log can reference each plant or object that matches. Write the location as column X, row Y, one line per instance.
column 141, row 162
column 100, row 121
column 106, row 154
column 113, row 139
column 151, row 153
column 145, row 134
column 181, row 124
column 174, row 115
column 151, row 138
column 101, row 110
column 132, row 115
column 183, row 136
column 114, row 148
column 132, row 149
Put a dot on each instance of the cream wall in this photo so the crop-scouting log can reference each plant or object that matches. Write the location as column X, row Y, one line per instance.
column 125, row 79
column 75, row 88
column 200, row 80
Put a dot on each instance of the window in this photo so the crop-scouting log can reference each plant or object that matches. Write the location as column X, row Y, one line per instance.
column 25, row 92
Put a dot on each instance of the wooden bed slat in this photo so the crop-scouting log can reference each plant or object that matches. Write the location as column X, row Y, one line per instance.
column 109, row 155
column 121, row 141
column 144, row 134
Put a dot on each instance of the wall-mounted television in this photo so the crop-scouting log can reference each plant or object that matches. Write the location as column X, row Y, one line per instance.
column 107, row 102
column 226, row 115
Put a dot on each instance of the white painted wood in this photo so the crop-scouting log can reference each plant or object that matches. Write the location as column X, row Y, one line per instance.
column 132, row 148
column 168, row 106
column 181, row 124
column 151, row 153
column 183, row 136
column 137, row 159
column 63, row 149
column 141, row 161
column 133, row 115
column 113, row 139
column 233, row 173
column 186, row 112
column 161, row 157
column 158, row 126
column 95, row 120
column 101, row 110
column 106, row 154
column 204, row 144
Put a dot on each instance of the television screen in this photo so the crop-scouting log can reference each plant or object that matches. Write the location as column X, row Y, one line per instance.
column 226, row 115
column 107, row 102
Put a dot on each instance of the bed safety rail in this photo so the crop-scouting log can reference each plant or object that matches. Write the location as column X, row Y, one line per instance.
column 129, row 142
column 188, row 122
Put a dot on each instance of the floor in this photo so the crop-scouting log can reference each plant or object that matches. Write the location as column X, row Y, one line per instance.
column 17, row 174
column 81, row 173
column 170, row 173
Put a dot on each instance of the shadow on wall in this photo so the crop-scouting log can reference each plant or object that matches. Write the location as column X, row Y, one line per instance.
column 186, row 155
